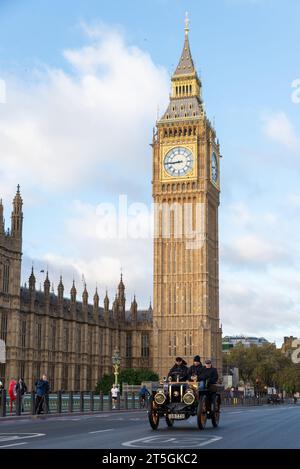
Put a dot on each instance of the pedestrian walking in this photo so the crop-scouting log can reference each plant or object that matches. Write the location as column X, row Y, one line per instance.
column 42, row 389
column 12, row 393
column 114, row 395
column 22, row 388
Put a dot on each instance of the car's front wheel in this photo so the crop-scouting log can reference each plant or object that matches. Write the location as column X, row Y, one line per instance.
column 153, row 414
column 169, row 422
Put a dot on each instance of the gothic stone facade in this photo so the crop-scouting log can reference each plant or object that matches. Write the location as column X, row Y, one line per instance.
column 69, row 340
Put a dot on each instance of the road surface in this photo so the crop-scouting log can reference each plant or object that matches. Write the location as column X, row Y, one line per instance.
column 253, row 427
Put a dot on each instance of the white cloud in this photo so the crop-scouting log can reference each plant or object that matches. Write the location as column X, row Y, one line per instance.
column 99, row 260
column 259, row 305
column 252, row 249
column 293, row 200
column 69, row 130
column 278, row 128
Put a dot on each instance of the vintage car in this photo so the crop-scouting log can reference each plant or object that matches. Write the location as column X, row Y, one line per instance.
column 179, row 400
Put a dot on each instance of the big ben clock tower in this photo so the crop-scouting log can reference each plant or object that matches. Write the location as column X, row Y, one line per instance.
column 186, row 189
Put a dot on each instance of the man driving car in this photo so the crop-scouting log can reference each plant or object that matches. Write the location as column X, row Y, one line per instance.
column 179, row 369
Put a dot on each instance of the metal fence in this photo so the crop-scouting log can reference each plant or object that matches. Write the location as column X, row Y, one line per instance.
column 62, row 402
column 67, row 402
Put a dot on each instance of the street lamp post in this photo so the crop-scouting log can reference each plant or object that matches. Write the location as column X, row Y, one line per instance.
column 116, row 360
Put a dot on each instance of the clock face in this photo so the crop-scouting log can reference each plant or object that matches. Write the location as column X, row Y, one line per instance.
column 178, row 162
column 214, row 168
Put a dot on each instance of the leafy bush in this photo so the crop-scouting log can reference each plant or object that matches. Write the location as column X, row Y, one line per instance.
column 127, row 375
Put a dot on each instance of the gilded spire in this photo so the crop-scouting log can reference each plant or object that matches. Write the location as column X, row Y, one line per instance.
column 186, row 95
column 186, row 64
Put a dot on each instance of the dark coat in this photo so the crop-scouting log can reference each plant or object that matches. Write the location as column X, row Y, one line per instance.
column 22, row 387
column 195, row 370
column 42, row 387
column 210, row 374
column 181, row 370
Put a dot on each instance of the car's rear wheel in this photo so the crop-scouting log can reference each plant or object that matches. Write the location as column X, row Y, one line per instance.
column 169, row 422
column 201, row 412
column 153, row 414
column 215, row 410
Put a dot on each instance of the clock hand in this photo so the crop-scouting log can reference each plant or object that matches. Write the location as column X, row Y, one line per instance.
column 175, row 162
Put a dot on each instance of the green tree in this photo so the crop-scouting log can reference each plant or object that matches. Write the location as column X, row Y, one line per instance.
column 265, row 365
column 105, row 384
column 146, row 375
column 127, row 375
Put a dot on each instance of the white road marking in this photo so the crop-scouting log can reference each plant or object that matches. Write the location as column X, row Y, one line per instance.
column 101, row 431
column 14, row 444
column 176, row 442
column 213, row 440
column 19, row 436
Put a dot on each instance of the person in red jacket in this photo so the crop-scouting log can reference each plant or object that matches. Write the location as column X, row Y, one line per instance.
column 12, row 393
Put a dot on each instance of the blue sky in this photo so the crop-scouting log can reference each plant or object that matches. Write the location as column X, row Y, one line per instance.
column 65, row 65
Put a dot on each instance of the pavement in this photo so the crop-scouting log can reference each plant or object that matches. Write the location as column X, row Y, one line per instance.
column 265, row 427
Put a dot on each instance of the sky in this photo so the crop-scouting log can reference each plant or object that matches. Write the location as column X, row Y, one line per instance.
column 81, row 86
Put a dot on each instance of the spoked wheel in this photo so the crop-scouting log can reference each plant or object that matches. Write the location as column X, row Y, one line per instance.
column 169, row 422
column 153, row 414
column 215, row 410
column 201, row 412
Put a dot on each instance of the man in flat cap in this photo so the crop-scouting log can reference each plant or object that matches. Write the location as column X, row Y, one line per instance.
column 178, row 370
column 208, row 375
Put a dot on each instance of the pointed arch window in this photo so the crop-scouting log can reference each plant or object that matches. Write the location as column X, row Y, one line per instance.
column 190, row 343
column 3, row 326
column 5, row 278
column 185, row 343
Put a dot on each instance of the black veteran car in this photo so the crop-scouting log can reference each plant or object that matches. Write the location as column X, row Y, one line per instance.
column 179, row 400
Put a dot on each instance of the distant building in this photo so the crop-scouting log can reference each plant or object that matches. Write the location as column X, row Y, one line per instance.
column 288, row 345
column 231, row 341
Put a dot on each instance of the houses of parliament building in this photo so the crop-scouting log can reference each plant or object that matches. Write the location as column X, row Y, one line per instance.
column 73, row 341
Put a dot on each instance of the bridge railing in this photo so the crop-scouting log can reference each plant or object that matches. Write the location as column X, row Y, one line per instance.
column 69, row 402
column 66, row 402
